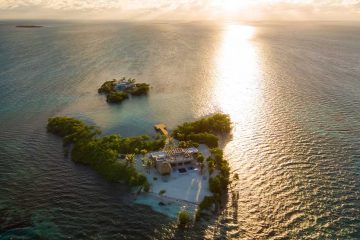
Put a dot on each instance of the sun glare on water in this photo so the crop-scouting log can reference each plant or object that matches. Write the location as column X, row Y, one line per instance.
column 237, row 80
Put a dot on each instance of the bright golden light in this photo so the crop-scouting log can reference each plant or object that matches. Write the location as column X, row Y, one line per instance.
column 237, row 80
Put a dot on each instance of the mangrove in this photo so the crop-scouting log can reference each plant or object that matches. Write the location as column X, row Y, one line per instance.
column 117, row 91
column 101, row 153
column 205, row 130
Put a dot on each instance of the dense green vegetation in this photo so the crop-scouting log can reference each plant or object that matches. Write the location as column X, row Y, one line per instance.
column 101, row 153
column 140, row 143
column 211, row 164
column 116, row 97
column 208, row 139
column 206, row 203
column 216, row 124
column 218, row 184
column 107, row 87
column 187, row 144
column 200, row 158
column 204, row 130
column 139, row 89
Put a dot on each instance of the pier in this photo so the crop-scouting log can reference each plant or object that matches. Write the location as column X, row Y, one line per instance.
column 161, row 127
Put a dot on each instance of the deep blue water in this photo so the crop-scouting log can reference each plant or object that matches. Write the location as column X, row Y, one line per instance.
column 292, row 90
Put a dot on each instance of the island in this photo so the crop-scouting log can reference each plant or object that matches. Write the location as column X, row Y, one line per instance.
column 29, row 26
column 186, row 166
column 117, row 91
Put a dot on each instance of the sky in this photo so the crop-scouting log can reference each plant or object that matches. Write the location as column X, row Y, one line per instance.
column 247, row 10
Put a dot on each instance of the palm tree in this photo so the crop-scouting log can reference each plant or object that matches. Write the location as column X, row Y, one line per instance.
column 200, row 158
column 130, row 159
column 148, row 164
column 143, row 152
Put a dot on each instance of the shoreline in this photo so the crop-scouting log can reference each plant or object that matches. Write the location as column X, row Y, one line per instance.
column 188, row 175
column 170, row 207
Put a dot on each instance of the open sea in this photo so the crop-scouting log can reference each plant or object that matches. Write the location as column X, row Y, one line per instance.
column 291, row 89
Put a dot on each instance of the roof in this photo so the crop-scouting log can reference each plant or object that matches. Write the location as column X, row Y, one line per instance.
column 176, row 151
column 191, row 150
column 158, row 154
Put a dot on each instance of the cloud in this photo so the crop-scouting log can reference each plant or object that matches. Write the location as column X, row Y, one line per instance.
column 183, row 9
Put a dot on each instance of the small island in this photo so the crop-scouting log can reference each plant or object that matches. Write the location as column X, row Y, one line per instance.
column 117, row 91
column 185, row 166
column 29, row 26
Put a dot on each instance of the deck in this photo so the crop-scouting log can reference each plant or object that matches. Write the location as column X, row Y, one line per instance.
column 161, row 127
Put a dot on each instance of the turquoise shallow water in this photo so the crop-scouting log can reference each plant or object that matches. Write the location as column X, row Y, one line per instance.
column 293, row 92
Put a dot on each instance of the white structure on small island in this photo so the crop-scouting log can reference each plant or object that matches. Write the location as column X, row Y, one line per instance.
column 166, row 160
column 123, row 86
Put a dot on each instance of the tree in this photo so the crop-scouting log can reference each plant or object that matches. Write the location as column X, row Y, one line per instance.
column 116, row 97
column 211, row 165
column 148, row 164
column 204, row 131
column 143, row 152
column 130, row 159
column 100, row 153
column 183, row 218
column 200, row 158
column 215, row 185
column 107, row 87
column 133, row 144
column 206, row 203
column 132, row 80
column 139, row 89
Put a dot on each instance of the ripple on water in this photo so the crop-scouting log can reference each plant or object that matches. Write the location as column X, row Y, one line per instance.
column 295, row 144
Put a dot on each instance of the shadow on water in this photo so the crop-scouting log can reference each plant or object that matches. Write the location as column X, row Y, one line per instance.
column 214, row 225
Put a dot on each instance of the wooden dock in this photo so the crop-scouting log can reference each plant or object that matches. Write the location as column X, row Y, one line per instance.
column 161, row 127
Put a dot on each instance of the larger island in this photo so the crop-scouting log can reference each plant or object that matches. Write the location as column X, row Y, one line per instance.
column 186, row 165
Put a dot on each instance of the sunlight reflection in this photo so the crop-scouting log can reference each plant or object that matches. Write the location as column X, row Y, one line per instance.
column 237, row 83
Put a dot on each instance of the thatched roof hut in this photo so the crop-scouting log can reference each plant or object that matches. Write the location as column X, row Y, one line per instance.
column 164, row 168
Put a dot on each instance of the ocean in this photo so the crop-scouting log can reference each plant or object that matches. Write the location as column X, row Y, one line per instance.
column 291, row 89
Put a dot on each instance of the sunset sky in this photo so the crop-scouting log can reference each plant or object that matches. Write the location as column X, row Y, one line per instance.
column 182, row 9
